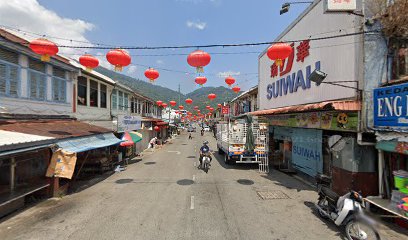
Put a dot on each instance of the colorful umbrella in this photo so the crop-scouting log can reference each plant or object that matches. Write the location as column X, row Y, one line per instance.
column 130, row 138
column 136, row 136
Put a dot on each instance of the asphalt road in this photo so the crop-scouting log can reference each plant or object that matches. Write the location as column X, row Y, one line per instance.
column 165, row 196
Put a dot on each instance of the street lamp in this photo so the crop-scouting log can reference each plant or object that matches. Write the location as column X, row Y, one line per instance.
column 285, row 6
column 318, row 77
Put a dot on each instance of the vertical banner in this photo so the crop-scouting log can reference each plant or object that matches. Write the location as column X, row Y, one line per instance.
column 307, row 151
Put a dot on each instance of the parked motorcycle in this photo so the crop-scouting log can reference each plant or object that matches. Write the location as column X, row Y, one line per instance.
column 206, row 162
column 346, row 210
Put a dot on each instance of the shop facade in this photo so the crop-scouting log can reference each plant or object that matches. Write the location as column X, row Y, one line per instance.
column 316, row 128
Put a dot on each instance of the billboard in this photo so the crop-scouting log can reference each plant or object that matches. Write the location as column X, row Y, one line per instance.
column 129, row 123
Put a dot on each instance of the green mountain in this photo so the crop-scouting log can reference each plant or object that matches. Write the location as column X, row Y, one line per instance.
column 156, row 92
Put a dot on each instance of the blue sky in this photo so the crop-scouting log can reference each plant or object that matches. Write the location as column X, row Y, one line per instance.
column 170, row 22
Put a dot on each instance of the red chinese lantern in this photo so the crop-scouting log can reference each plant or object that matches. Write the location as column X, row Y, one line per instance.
column 219, row 105
column 189, row 101
column 189, row 113
column 157, row 128
column 212, row 96
column 201, row 80
column 278, row 52
column 198, row 111
column 173, row 103
column 181, row 107
column 159, row 103
column 211, row 109
column 229, row 81
column 198, row 59
column 119, row 58
column 164, row 105
column 44, row 47
column 152, row 74
column 88, row 61
column 236, row 89
column 196, row 107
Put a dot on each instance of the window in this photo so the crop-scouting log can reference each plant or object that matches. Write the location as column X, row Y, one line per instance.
column 37, row 80
column 59, row 89
column 93, row 99
column 103, row 95
column 400, row 61
column 114, row 99
column 120, row 100
column 132, row 105
column 82, row 90
column 9, row 73
column 126, row 101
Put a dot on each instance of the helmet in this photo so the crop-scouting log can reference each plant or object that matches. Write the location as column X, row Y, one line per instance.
column 205, row 142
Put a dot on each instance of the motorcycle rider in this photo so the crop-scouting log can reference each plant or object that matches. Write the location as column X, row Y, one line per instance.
column 204, row 149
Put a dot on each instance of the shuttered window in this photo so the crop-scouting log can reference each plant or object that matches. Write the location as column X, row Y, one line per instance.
column 114, row 99
column 120, row 100
column 9, row 73
column 37, row 80
column 125, row 101
column 82, row 90
column 103, row 95
column 93, row 93
column 58, row 72
column 59, row 89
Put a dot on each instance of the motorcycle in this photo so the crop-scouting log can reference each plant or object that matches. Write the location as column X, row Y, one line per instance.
column 346, row 210
column 202, row 132
column 205, row 162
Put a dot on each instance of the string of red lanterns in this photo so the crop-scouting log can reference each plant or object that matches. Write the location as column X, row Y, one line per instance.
column 189, row 101
column 212, row 96
column 199, row 59
column 118, row 58
column 89, row 62
column 236, row 89
column 201, row 80
column 229, row 81
column 152, row 74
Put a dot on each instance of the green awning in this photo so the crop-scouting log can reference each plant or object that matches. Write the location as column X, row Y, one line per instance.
column 393, row 146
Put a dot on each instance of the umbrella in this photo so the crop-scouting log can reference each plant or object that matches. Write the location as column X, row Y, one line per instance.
column 136, row 136
column 249, row 143
column 130, row 138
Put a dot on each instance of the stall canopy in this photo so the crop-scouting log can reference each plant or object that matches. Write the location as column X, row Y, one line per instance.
column 130, row 138
column 393, row 146
column 86, row 143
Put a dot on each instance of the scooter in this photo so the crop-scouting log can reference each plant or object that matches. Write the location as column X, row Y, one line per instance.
column 205, row 162
column 346, row 210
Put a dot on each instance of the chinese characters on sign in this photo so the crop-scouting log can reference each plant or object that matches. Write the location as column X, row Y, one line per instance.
column 225, row 110
column 340, row 5
column 129, row 123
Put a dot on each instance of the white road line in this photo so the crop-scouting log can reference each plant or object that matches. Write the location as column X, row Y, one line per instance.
column 193, row 177
column 192, row 203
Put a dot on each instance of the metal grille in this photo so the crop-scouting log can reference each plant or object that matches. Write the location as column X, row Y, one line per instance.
column 270, row 195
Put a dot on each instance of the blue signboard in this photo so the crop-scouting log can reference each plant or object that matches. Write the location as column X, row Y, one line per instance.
column 391, row 106
column 307, row 153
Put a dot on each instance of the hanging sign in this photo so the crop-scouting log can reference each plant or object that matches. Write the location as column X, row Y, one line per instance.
column 129, row 123
column 225, row 110
column 340, row 5
column 391, row 106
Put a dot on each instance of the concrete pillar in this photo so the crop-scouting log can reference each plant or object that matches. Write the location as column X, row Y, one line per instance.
column 48, row 71
column 23, row 62
column 12, row 174
column 380, row 172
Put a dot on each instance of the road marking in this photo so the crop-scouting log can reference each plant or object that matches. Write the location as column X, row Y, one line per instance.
column 192, row 203
column 178, row 152
column 193, row 177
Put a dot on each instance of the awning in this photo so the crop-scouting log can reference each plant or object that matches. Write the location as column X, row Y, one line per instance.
column 327, row 106
column 83, row 144
column 161, row 123
column 393, row 146
column 146, row 119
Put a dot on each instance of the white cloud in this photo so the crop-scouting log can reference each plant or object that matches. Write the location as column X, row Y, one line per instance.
column 131, row 70
column 29, row 15
column 159, row 61
column 196, row 24
column 228, row 73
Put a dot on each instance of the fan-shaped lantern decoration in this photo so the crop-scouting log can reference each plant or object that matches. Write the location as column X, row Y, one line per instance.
column 201, row 80
column 88, row 61
column 229, row 81
column 219, row 105
column 189, row 101
column 173, row 103
column 159, row 103
column 157, row 128
column 278, row 52
column 118, row 58
column 164, row 105
column 181, row 107
column 198, row 59
column 236, row 89
column 212, row 96
column 44, row 47
column 152, row 74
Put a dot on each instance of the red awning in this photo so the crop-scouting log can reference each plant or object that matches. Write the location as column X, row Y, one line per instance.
column 327, row 106
column 146, row 119
column 161, row 123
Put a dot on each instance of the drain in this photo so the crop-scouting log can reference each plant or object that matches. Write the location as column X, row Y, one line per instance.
column 269, row 195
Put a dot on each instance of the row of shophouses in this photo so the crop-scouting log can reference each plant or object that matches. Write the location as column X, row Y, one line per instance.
column 353, row 126
column 59, row 105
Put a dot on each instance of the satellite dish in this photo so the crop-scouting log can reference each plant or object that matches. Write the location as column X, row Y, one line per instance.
column 339, row 145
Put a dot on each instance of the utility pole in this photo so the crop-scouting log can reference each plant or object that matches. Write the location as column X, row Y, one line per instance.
column 179, row 94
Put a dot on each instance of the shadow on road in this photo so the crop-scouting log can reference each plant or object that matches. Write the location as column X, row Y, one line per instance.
column 245, row 181
column 244, row 166
column 124, row 180
column 191, row 157
column 149, row 163
column 284, row 180
column 327, row 222
column 185, row 182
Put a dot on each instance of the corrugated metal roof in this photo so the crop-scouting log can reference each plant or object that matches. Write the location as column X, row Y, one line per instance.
column 83, row 144
column 335, row 105
column 12, row 138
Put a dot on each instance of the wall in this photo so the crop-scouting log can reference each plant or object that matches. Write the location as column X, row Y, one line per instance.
column 340, row 58
column 147, row 136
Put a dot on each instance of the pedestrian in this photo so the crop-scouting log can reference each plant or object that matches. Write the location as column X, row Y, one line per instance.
column 189, row 136
column 152, row 142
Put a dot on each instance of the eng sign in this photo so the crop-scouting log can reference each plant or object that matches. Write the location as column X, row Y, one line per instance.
column 129, row 123
column 391, row 106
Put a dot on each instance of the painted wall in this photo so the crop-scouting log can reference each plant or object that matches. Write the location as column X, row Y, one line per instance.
column 340, row 58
